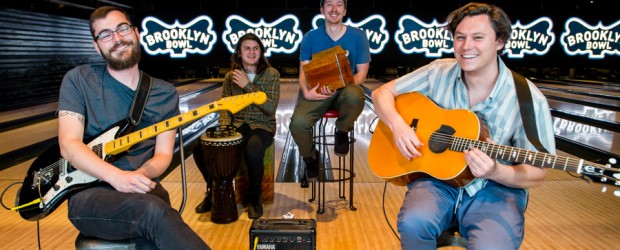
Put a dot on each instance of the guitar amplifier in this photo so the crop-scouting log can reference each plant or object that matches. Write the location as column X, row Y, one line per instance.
column 294, row 234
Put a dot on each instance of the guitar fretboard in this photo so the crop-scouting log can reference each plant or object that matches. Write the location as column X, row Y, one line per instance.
column 232, row 103
column 519, row 155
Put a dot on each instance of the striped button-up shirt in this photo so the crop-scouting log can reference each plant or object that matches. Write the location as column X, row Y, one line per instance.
column 256, row 116
column 442, row 82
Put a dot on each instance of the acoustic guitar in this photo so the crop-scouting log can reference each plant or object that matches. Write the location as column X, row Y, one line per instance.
column 50, row 178
column 445, row 135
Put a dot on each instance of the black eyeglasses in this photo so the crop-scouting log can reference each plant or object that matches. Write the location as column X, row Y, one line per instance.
column 106, row 35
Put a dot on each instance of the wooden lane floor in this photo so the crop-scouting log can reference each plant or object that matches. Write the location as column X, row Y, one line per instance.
column 564, row 213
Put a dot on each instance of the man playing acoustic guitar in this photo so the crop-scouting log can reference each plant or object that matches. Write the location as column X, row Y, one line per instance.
column 93, row 98
column 489, row 211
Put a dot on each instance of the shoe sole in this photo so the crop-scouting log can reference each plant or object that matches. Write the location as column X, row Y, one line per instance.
column 341, row 155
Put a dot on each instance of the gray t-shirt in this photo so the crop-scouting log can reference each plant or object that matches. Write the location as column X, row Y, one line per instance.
column 90, row 90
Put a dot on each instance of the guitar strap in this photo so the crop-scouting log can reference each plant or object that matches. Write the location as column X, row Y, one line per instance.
column 527, row 110
column 139, row 100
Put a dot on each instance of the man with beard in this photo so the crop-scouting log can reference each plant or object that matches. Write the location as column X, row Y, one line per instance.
column 348, row 100
column 132, row 204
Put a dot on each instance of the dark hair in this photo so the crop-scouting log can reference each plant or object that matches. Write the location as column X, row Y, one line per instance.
column 499, row 20
column 235, row 59
column 102, row 12
column 345, row 4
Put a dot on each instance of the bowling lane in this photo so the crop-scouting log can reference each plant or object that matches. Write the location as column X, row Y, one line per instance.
column 606, row 89
column 585, row 113
column 592, row 136
column 609, row 103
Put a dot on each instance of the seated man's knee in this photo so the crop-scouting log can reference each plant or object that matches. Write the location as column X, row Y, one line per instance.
column 299, row 124
column 154, row 206
column 353, row 94
column 410, row 222
column 353, row 90
column 496, row 237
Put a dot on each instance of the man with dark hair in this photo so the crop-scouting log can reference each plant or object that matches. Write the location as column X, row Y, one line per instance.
column 489, row 211
column 132, row 204
column 349, row 101
column 251, row 72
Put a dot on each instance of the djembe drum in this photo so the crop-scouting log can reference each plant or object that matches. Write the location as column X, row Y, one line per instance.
column 221, row 151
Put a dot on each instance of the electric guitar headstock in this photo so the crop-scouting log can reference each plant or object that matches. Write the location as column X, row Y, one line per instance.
column 608, row 174
column 236, row 103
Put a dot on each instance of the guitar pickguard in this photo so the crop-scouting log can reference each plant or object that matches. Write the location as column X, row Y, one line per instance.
column 440, row 140
column 68, row 177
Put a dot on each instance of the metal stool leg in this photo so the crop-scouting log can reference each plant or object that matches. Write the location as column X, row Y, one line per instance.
column 304, row 180
column 351, row 168
column 318, row 191
column 323, row 161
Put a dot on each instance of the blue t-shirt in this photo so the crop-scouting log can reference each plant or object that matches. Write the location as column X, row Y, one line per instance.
column 354, row 41
column 91, row 91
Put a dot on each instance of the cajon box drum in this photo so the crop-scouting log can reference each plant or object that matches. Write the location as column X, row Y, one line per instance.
column 329, row 68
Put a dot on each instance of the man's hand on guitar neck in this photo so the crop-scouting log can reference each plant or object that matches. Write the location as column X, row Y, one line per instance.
column 479, row 163
column 517, row 176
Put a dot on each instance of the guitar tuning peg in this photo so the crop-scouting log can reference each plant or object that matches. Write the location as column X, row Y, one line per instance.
column 604, row 189
column 613, row 161
column 617, row 193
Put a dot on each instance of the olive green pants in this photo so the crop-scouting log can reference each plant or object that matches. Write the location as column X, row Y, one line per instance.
column 349, row 101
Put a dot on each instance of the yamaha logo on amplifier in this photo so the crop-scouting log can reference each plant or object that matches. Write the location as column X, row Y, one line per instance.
column 279, row 234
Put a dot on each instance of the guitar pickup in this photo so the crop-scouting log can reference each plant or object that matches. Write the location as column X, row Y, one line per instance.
column 41, row 178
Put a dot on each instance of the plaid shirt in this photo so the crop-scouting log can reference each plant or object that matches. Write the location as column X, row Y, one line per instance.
column 256, row 116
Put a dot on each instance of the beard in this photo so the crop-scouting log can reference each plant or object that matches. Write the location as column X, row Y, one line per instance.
column 120, row 63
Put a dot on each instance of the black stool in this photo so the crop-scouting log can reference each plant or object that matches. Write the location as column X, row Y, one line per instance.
column 83, row 242
column 451, row 237
column 344, row 173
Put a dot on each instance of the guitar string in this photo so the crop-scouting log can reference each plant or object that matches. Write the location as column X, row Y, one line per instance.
column 52, row 168
column 460, row 143
column 198, row 112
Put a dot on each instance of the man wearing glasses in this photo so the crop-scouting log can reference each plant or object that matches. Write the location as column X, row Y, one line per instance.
column 132, row 204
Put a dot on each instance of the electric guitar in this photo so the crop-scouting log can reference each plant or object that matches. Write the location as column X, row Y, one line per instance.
column 50, row 178
column 445, row 134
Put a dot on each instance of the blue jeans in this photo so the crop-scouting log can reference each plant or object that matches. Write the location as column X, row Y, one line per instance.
column 492, row 219
column 105, row 213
